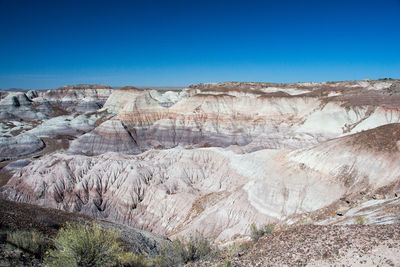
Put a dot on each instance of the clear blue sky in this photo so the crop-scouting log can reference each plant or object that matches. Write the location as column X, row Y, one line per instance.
column 47, row 44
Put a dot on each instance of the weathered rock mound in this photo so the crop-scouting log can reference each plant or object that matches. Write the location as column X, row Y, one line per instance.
column 111, row 135
column 63, row 113
column 78, row 98
column 16, row 105
column 21, row 145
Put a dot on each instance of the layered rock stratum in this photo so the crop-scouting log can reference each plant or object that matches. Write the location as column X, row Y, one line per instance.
column 215, row 157
column 255, row 115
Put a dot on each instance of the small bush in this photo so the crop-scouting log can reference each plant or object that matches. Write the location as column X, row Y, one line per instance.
column 233, row 251
column 361, row 220
column 197, row 247
column 227, row 263
column 30, row 241
column 181, row 251
column 141, row 261
column 87, row 245
column 256, row 232
column 172, row 253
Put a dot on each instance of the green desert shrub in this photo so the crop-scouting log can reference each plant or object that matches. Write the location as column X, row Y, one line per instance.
column 30, row 241
column 181, row 251
column 361, row 220
column 227, row 263
column 172, row 253
column 87, row 245
column 197, row 247
column 256, row 232
column 141, row 261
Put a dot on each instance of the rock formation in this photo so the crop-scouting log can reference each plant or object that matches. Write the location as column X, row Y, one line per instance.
column 111, row 135
column 21, row 145
column 218, row 157
column 78, row 98
column 288, row 116
column 213, row 190
column 68, row 111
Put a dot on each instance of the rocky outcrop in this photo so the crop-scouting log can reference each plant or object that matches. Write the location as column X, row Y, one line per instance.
column 31, row 94
column 16, row 105
column 133, row 134
column 111, row 135
column 68, row 111
column 18, row 146
column 16, row 165
column 69, row 125
column 121, row 97
column 78, row 98
column 41, row 105
column 128, row 97
column 15, row 100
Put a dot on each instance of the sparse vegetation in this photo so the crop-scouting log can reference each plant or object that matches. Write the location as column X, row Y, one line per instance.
column 233, row 251
column 30, row 241
column 182, row 251
column 227, row 263
column 306, row 221
column 87, row 245
column 360, row 220
column 256, row 233
column 141, row 261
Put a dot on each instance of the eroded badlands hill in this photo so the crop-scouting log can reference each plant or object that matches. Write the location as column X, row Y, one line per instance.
column 29, row 119
column 254, row 115
column 218, row 157
column 212, row 190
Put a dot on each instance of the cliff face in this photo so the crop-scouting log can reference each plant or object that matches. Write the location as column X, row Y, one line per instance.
column 218, row 157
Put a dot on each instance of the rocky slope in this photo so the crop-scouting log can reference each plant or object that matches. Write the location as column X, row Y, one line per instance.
column 310, row 245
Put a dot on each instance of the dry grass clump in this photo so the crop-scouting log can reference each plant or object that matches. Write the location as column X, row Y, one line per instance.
column 30, row 241
column 181, row 251
column 258, row 232
column 361, row 220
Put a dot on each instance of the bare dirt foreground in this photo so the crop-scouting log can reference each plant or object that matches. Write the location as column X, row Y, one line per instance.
column 314, row 245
